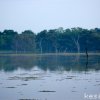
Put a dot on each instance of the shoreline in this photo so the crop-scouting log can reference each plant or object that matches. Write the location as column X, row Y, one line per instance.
column 48, row 54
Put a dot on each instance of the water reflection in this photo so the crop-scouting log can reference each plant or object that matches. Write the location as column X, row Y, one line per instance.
column 52, row 63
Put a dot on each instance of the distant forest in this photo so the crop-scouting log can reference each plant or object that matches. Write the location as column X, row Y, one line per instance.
column 51, row 41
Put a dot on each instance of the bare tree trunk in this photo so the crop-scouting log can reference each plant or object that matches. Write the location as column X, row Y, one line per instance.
column 76, row 41
column 41, row 50
column 56, row 50
column 65, row 50
column 78, row 46
column 24, row 50
column 16, row 47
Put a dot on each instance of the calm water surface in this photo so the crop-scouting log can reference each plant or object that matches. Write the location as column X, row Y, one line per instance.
column 49, row 77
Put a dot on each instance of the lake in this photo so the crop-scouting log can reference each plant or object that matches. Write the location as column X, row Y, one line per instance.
column 50, row 77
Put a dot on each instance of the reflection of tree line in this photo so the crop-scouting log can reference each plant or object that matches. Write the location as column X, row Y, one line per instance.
column 52, row 63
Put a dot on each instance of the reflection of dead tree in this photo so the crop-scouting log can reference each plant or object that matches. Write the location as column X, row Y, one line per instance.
column 86, row 51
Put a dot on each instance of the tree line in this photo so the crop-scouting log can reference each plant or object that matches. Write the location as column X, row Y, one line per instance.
column 51, row 41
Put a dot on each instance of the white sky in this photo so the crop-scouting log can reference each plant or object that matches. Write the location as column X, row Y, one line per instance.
column 38, row 15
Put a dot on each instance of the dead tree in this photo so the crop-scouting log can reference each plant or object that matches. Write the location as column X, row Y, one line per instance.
column 76, row 42
column 40, row 44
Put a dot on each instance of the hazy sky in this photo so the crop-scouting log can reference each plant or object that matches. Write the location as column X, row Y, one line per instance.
column 37, row 15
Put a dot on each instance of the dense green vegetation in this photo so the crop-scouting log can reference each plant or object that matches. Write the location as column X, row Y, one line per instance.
column 51, row 41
